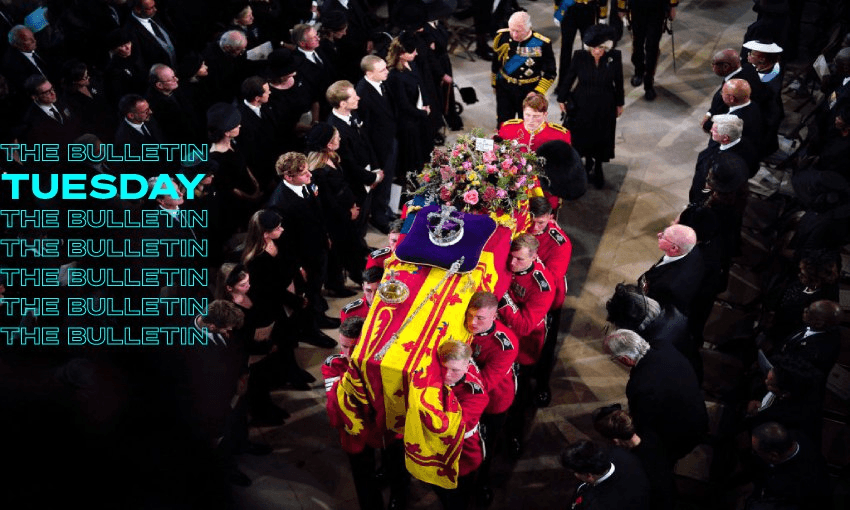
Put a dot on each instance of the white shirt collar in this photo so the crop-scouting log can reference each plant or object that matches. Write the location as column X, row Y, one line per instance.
column 666, row 259
column 733, row 143
column 346, row 118
column 376, row 84
column 296, row 189
column 344, row 3
column 137, row 127
column 606, row 475
column 732, row 74
column 733, row 108
column 255, row 109
column 311, row 55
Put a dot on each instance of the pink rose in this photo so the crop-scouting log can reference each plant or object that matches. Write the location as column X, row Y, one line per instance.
column 471, row 197
column 491, row 169
column 488, row 157
column 455, row 153
column 500, row 193
column 445, row 194
column 489, row 194
column 426, row 178
column 507, row 163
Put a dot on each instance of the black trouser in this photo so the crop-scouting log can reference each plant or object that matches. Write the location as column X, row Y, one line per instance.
column 363, row 472
column 546, row 363
column 381, row 198
column 492, row 424
column 457, row 498
column 509, row 99
column 579, row 17
column 515, row 422
column 646, row 36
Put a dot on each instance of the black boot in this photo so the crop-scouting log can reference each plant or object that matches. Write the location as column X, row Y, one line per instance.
column 598, row 177
column 482, row 48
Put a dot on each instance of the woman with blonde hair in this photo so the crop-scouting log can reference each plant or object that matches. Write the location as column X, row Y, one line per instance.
column 339, row 205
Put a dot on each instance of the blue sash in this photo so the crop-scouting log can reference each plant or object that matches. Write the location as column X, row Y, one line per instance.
column 517, row 60
column 561, row 11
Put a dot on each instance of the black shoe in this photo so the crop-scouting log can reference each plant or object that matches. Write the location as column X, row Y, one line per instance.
column 236, row 477
column 340, row 293
column 636, row 80
column 484, row 496
column 256, row 449
column 650, row 94
column 598, row 177
column 325, row 322
column 320, row 339
column 543, row 397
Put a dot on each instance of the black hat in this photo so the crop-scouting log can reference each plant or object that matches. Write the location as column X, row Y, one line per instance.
column 268, row 219
column 223, row 117
column 334, row 20
column 408, row 41
column 597, row 35
column 410, row 14
column 283, row 61
column 189, row 65
column 728, row 173
column 116, row 38
column 565, row 175
column 319, row 136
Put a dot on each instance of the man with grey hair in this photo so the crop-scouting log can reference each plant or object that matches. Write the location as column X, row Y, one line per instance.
column 21, row 59
column 524, row 62
column 173, row 114
column 225, row 59
column 663, row 392
column 726, row 131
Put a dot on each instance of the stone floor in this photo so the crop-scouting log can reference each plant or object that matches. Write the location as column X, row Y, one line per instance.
column 613, row 234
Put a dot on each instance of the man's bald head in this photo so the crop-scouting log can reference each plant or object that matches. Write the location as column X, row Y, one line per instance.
column 822, row 315
column 842, row 62
column 725, row 62
column 677, row 240
column 736, row 92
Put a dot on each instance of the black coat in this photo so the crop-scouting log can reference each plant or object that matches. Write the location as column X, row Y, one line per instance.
column 356, row 153
column 675, row 283
column 258, row 141
column 303, row 221
column 379, row 116
column 665, row 399
column 593, row 104
column 150, row 51
column 42, row 128
column 627, row 487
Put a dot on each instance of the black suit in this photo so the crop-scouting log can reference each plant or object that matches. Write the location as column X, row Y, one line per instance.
column 304, row 224
column 150, row 49
column 17, row 68
column 675, row 283
column 355, row 152
column 319, row 76
column 627, row 487
column 706, row 160
column 379, row 117
column 751, row 76
column 665, row 399
column 258, row 141
column 175, row 118
column 39, row 127
column 821, row 348
column 352, row 47
column 127, row 135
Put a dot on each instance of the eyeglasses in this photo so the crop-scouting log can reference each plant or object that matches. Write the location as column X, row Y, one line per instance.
column 51, row 90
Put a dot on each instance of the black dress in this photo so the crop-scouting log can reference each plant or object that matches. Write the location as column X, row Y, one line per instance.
column 413, row 125
column 593, row 104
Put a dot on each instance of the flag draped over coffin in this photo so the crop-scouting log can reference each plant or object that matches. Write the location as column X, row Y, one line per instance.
column 401, row 385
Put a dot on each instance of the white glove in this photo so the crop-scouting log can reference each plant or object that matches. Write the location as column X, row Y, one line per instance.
column 555, row 20
column 603, row 21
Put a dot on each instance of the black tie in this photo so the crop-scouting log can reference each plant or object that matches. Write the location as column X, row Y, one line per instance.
column 317, row 59
column 305, row 193
column 56, row 114
column 164, row 41
column 145, row 131
column 383, row 89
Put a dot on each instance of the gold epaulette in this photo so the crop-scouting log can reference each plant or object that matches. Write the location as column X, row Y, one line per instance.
column 512, row 121
column 541, row 37
column 559, row 127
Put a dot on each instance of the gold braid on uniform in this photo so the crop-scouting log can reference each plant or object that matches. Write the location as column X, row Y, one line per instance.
column 501, row 52
column 543, row 85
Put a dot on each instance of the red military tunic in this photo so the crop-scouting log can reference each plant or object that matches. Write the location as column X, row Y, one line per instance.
column 473, row 400
column 495, row 352
column 514, row 129
column 356, row 308
column 377, row 257
column 529, row 298
column 555, row 251
column 332, row 370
